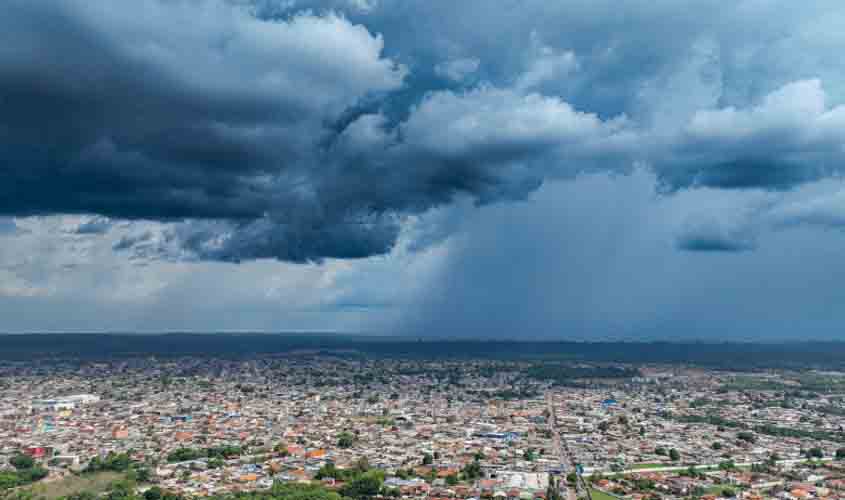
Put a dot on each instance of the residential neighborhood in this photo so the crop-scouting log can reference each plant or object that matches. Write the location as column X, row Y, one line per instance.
column 459, row 429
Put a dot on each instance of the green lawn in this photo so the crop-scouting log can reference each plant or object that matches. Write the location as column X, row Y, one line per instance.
column 653, row 465
column 600, row 495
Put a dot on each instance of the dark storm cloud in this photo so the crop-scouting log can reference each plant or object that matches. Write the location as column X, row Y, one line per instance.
column 174, row 110
column 265, row 239
column 790, row 138
column 745, row 173
column 301, row 130
column 95, row 225
column 712, row 243
column 712, row 236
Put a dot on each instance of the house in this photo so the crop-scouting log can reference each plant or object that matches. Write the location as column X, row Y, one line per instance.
column 183, row 436
column 36, row 451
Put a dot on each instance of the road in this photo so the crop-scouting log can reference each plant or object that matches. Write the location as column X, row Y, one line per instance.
column 676, row 468
column 565, row 457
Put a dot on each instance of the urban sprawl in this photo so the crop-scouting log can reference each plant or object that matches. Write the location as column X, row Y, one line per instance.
column 315, row 426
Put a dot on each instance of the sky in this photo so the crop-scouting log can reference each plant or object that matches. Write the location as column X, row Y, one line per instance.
column 555, row 169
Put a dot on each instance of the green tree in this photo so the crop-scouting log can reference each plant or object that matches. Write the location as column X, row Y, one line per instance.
column 20, row 461
column 472, row 470
column 328, row 471
column 345, row 440
column 82, row 495
column 365, row 486
column 143, row 475
column 32, row 474
column 293, row 491
column 121, row 490
column 154, row 493
column 747, row 436
column 116, row 462
column 727, row 465
column 674, row 455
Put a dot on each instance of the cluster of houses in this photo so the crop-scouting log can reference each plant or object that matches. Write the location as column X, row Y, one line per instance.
column 422, row 423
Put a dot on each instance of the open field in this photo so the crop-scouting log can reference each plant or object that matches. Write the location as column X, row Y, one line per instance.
column 718, row 489
column 95, row 483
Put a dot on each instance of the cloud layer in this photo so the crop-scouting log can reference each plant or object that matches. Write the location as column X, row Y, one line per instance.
column 145, row 144
column 173, row 110
column 304, row 130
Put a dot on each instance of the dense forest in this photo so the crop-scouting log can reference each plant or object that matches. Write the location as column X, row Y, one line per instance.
column 734, row 356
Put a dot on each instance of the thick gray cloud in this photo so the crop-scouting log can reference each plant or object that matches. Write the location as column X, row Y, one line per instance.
column 168, row 110
column 793, row 136
column 307, row 129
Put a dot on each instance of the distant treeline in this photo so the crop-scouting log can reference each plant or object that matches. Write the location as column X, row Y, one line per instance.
column 733, row 356
column 220, row 452
column 565, row 375
column 709, row 419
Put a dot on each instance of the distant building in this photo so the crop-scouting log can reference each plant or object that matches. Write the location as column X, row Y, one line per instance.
column 183, row 436
column 64, row 403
